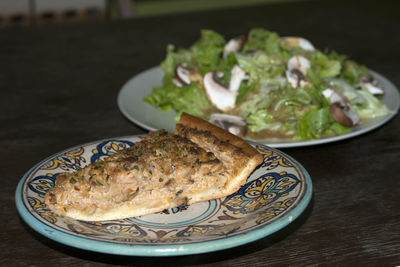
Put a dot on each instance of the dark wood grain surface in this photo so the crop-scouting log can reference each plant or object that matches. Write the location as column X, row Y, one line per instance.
column 59, row 84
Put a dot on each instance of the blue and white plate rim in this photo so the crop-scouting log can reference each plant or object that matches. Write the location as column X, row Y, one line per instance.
column 157, row 250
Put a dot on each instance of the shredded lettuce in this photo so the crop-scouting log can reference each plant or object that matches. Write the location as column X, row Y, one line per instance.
column 372, row 107
column 323, row 65
column 206, row 52
column 254, row 102
column 203, row 54
column 173, row 59
column 261, row 67
column 352, row 72
column 266, row 41
column 262, row 120
column 351, row 93
column 319, row 123
column 190, row 99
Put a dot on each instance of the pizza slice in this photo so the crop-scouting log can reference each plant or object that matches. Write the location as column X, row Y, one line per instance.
column 198, row 162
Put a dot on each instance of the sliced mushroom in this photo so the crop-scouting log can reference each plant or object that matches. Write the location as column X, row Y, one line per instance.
column 237, row 76
column 182, row 73
column 298, row 41
column 177, row 82
column 340, row 114
column 372, row 85
column 296, row 71
column 184, row 76
column 221, row 96
column 234, row 45
column 233, row 124
column 374, row 89
column 340, row 108
column 327, row 92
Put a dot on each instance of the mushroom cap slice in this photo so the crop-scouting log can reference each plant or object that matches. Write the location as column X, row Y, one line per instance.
column 233, row 124
column 219, row 95
column 344, row 114
column 177, row 82
column 375, row 90
column 328, row 93
column 299, row 62
column 296, row 71
column 340, row 108
column 372, row 85
column 234, row 45
column 237, row 76
column 184, row 76
column 303, row 43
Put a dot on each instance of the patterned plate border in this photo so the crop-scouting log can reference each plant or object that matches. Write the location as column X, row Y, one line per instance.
column 274, row 196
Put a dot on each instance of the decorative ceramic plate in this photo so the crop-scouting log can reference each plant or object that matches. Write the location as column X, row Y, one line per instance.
column 131, row 104
column 275, row 194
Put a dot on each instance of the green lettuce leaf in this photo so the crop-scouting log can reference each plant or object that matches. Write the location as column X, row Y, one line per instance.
column 206, row 52
column 319, row 123
column 261, row 67
column 372, row 107
column 190, row 99
column 323, row 66
column 174, row 58
column 352, row 72
column 262, row 120
column 266, row 41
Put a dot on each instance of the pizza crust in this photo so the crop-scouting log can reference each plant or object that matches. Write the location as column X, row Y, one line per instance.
column 197, row 123
column 247, row 163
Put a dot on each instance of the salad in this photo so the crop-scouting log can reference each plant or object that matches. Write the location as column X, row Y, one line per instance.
column 263, row 86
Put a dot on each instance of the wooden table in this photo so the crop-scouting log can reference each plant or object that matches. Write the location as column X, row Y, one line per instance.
column 59, row 84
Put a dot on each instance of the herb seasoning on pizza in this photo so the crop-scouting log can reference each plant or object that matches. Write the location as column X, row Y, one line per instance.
column 198, row 162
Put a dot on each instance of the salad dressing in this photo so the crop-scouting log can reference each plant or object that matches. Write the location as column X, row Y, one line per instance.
column 268, row 134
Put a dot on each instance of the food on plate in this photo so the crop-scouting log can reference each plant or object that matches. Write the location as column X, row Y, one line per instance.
column 198, row 162
column 264, row 86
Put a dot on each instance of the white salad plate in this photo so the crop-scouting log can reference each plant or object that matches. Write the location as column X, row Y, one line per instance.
column 132, row 106
column 275, row 194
